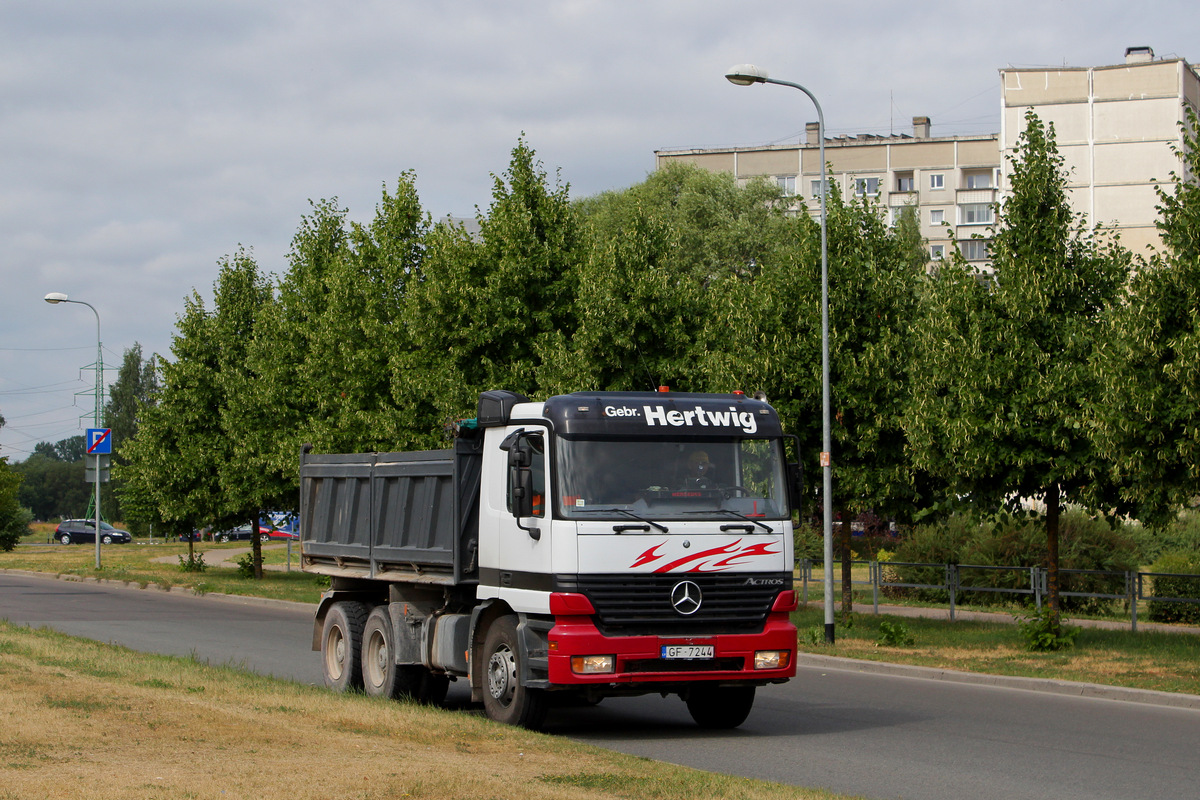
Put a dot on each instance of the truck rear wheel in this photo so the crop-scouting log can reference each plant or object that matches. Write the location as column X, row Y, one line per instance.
column 720, row 707
column 383, row 677
column 504, row 698
column 341, row 642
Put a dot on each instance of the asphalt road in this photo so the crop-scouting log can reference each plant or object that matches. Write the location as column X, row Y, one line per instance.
column 881, row 736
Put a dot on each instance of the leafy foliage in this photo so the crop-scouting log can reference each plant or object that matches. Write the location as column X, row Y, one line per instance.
column 14, row 519
column 1042, row 632
column 894, row 634
column 1146, row 415
column 1173, row 581
column 1001, row 373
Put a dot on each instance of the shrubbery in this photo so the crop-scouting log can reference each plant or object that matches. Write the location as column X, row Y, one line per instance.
column 1007, row 540
column 1177, row 563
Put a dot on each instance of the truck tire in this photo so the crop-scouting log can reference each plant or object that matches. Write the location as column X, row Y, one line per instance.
column 341, row 646
column 504, row 698
column 720, row 707
column 383, row 677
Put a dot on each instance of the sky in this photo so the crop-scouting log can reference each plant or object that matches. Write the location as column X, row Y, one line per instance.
column 142, row 141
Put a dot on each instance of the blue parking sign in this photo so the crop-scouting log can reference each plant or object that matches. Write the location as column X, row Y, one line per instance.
column 99, row 441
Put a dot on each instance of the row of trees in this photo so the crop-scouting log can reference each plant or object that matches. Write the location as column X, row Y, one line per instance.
column 946, row 386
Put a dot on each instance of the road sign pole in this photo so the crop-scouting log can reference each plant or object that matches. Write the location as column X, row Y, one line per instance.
column 99, row 444
column 97, row 457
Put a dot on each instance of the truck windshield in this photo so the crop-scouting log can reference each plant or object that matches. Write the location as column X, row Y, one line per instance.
column 668, row 479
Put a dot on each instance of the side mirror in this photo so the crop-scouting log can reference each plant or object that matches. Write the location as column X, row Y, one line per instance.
column 520, row 478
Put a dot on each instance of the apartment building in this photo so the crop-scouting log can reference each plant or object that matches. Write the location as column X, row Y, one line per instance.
column 1115, row 127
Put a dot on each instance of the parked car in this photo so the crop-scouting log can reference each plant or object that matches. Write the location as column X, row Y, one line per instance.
column 241, row 533
column 82, row 531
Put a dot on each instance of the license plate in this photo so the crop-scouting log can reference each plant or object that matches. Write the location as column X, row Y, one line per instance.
column 687, row 651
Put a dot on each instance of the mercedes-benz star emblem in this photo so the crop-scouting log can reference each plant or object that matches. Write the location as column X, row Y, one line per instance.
column 686, row 597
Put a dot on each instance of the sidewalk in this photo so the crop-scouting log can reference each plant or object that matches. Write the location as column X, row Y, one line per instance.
column 228, row 557
column 960, row 613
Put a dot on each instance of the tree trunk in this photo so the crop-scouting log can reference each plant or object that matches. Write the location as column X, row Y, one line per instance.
column 256, row 546
column 847, row 579
column 1053, row 507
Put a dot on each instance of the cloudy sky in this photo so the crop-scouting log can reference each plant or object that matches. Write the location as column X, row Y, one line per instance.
column 141, row 140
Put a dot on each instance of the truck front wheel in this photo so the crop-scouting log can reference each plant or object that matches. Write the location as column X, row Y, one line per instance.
column 720, row 707
column 341, row 642
column 504, row 698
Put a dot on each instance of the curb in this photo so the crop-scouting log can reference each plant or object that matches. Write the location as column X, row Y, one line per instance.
column 241, row 599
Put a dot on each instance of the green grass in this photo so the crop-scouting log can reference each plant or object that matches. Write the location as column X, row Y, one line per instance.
column 1167, row 662
column 139, row 564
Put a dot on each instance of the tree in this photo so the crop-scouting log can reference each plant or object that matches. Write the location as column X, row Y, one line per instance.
column 14, row 519
column 136, row 384
column 660, row 260
column 486, row 310
column 1147, row 417
column 174, row 458
column 51, row 487
column 250, row 480
column 1001, row 369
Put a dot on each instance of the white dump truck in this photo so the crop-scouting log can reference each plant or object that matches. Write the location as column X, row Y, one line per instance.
column 588, row 546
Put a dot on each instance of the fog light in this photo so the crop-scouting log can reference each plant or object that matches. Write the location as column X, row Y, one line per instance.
column 771, row 659
column 591, row 665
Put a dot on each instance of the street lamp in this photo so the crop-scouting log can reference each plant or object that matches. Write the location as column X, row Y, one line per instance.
column 54, row 298
column 746, row 75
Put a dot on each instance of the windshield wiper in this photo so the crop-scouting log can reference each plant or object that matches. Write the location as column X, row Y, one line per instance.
column 732, row 513
column 627, row 513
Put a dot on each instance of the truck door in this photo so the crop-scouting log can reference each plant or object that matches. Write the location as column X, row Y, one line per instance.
column 521, row 509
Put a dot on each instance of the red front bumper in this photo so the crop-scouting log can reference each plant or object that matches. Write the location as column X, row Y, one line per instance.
column 638, row 659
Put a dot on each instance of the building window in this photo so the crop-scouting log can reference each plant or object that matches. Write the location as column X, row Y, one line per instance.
column 978, row 179
column 937, row 251
column 975, row 214
column 974, row 249
column 937, row 181
column 816, row 188
column 866, row 186
column 905, row 182
column 897, row 213
column 936, row 216
column 787, row 184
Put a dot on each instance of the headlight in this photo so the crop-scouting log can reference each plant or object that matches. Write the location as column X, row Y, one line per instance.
column 592, row 665
column 771, row 659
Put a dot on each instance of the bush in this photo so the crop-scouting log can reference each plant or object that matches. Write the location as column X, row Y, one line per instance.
column 1182, row 534
column 894, row 634
column 192, row 563
column 1039, row 636
column 943, row 543
column 1009, row 540
column 806, row 539
column 1177, row 563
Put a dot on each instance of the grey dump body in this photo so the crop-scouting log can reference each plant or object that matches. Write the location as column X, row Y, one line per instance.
column 403, row 517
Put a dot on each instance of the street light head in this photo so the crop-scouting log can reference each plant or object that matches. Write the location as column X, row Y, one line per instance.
column 745, row 74
column 55, row 298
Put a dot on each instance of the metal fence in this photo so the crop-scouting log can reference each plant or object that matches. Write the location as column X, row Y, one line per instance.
column 1137, row 587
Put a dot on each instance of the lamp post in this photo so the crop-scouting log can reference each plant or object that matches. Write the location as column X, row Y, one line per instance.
column 54, row 298
column 747, row 75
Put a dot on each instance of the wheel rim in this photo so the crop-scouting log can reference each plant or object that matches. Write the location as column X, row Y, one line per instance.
column 335, row 653
column 65, row 539
column 502, row 675
column 375, row 665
